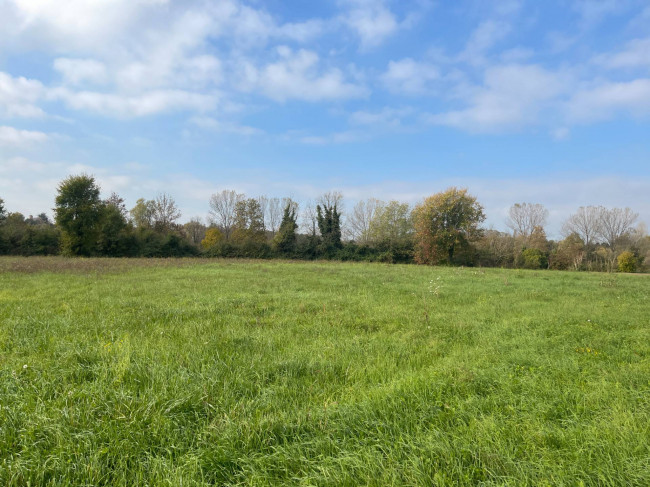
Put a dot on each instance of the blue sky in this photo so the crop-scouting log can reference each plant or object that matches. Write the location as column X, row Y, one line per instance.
column 519, row 101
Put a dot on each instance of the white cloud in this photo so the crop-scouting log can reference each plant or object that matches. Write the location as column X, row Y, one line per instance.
column 484, row 37
column 561, row 133
column 371, row 20
column 511, row 97
column 610, row 99
column 344, row 137
column 636, row 54
column 126, row 106
column 19, row 97
column 10, row 136
column 297, row 75
column 594, row 11
column 76, row 25
column 77, row 71
column 410, row 77
column 391, row 117
column 214, row 125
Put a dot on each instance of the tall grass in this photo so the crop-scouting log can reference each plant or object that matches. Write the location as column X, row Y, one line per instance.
column 278, row 373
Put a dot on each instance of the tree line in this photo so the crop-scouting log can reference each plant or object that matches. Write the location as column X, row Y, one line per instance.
column 445, row 228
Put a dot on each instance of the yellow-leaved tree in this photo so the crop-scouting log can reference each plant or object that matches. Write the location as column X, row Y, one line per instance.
column 444, row 223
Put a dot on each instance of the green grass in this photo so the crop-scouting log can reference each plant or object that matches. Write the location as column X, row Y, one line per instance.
column 193, row 372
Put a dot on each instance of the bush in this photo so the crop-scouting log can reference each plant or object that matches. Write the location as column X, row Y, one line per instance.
column 627, row 262
column 532, row 259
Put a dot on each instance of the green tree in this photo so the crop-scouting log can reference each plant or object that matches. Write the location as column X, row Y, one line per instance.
column 114, row 232
column 391, row 225
column 77, row 212
column 142, row 214
column 444, row 223
column 3, row 211
column 285, row 238
column 249, row 222
column 329, row 224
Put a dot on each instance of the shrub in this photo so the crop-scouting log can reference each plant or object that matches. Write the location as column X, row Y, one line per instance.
column 626, row 262
column 533, row 259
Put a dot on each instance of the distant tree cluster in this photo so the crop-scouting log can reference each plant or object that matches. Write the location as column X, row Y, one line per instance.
column 445, row 228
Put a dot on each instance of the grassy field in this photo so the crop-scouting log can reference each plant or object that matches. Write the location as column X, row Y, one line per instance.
column 190, row 372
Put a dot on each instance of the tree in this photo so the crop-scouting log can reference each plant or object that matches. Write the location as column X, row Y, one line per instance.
column 212, row 237
column 112, row 238
column 329, row 220
column 627, row 262
column 524, row 217
column 569, row 254
column 445, row 222
column 391, row 225
column 273, row 215
column 77, row 213
column 285, row 239
column 615, row 223
column 222, row 210
column 249, row 222
column 358, row 222
column 142, row 214
column 496, row 249
column 195, row 230
column 118, row 202
column 165, row 212
column 309, row 219
column 3, row 211
column 585, row 223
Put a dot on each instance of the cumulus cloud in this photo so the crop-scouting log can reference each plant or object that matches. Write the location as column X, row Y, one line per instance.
column 19, row 97
column 12, row 137
column 410, row 77
column 371, row 20
column 484, row 37
column 77, row 71
column 511, row 97
column 297, row 75
column 635, row 54
column 611, row 99
column 126, row 106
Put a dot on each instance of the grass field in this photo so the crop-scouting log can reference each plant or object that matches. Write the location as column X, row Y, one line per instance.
column 124, row 373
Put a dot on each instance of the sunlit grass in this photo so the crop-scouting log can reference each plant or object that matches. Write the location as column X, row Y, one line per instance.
column 268, row 373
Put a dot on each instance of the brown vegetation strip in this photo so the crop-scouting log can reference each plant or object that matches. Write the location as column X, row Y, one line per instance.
column 90, row 265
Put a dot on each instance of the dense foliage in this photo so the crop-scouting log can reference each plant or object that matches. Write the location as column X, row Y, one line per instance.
column 445, row 228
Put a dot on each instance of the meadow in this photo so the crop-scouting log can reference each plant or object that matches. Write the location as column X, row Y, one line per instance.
column 232, row 372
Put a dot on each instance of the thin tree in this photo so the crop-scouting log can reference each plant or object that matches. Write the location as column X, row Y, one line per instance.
column 165, row 212
column 616, row 222
column 142, row 214
column 274, row 212
column 359, row 220
column 222, row 210
column 524, row 217
column 586, row 223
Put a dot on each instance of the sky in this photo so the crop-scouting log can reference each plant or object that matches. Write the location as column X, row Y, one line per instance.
column 516, row 100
